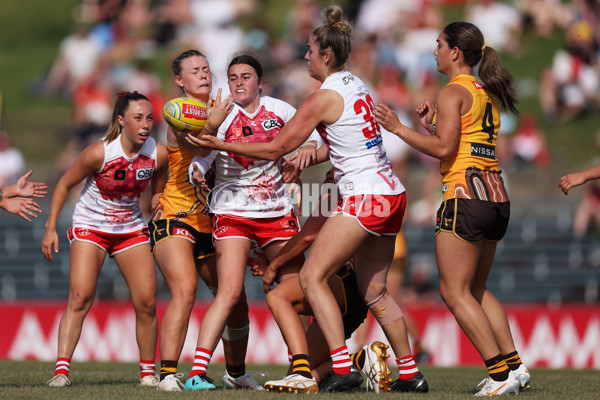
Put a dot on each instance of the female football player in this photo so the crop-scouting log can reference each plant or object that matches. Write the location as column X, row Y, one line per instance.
column 249, row 202
column 473, row 217
column 372, row 207
column 108, row 220
column 182, row 244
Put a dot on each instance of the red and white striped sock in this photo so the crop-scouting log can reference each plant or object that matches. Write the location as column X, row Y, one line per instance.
column 63, row 364
column 289, row 356
column 341, row 360
column 407, row 367
column 147, row 368
column 201, row 361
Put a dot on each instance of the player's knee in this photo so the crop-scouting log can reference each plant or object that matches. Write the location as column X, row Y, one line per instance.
column 146, row 307
column 80, row 301
column 272, row 299
column 303, row 278
column 183, row 301
column 184, row 294
column 450, row 297
column 308, row 280
column 229, row 298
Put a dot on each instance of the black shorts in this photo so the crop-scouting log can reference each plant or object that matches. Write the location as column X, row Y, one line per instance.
column 355, row 310
column 162, row 229
column 473, row 220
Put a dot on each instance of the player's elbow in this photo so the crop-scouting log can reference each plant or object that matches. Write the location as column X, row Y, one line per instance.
column 273, row 154
column 445, row 151
column 444, row 154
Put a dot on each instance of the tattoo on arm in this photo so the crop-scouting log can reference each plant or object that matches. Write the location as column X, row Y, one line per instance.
column 1, row 194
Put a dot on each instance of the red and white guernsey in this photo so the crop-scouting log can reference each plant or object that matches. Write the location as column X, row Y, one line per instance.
column 355, row 144
column 110, row 200
column 245, row 186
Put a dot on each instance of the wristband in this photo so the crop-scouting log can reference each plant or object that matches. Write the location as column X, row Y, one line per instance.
column 207, row 127
column 311, row 143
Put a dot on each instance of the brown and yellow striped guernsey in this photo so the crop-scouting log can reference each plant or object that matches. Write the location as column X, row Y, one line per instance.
column 473, row 172
column 181, row 200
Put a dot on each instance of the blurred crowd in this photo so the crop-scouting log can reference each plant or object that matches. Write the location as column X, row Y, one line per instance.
column 114, row 42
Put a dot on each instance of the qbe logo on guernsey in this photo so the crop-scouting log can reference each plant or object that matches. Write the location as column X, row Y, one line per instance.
column 142, row 174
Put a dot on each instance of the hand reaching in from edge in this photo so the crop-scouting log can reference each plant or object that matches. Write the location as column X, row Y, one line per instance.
column 571, row 180
column 21, row 206
column 204, row 142
column 24, row 188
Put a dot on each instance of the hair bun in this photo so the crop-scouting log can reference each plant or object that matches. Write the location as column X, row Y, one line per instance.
column 334, row 19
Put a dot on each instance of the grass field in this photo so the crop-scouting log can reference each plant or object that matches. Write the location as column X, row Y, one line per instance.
column 98, row 380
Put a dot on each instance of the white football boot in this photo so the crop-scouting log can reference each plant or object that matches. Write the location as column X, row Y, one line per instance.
column 171, row 383
column 376, row 367
column 149, row 381
column 503, row 388
column 59, row 380
column 522, row 374
column 243, row 382
column 293, row 384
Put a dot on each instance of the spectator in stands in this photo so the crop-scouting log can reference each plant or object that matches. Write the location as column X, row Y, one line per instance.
column 16, row 199
column 499, row 22
column 169, row 15
column 412, row 51
column 216, row 32
column 542, row 16
column 570, row 85
column 77, row 58
column 528, row 144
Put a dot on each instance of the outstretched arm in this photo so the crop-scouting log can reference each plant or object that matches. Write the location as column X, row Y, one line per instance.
column 443, row 140
column 14, row 198
column 322, row 106
column 24, row 188
column 21, row 206
column 578, row 178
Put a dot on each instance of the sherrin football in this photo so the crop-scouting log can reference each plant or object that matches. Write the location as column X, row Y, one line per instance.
column 185, row 114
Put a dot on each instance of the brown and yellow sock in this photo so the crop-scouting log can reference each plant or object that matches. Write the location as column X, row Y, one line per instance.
column 513, row 360
column 167, row 367
column 301, row 365
column 358, row 359
column 497, row 368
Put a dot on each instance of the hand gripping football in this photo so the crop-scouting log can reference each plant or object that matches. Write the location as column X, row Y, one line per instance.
column 185, row 114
